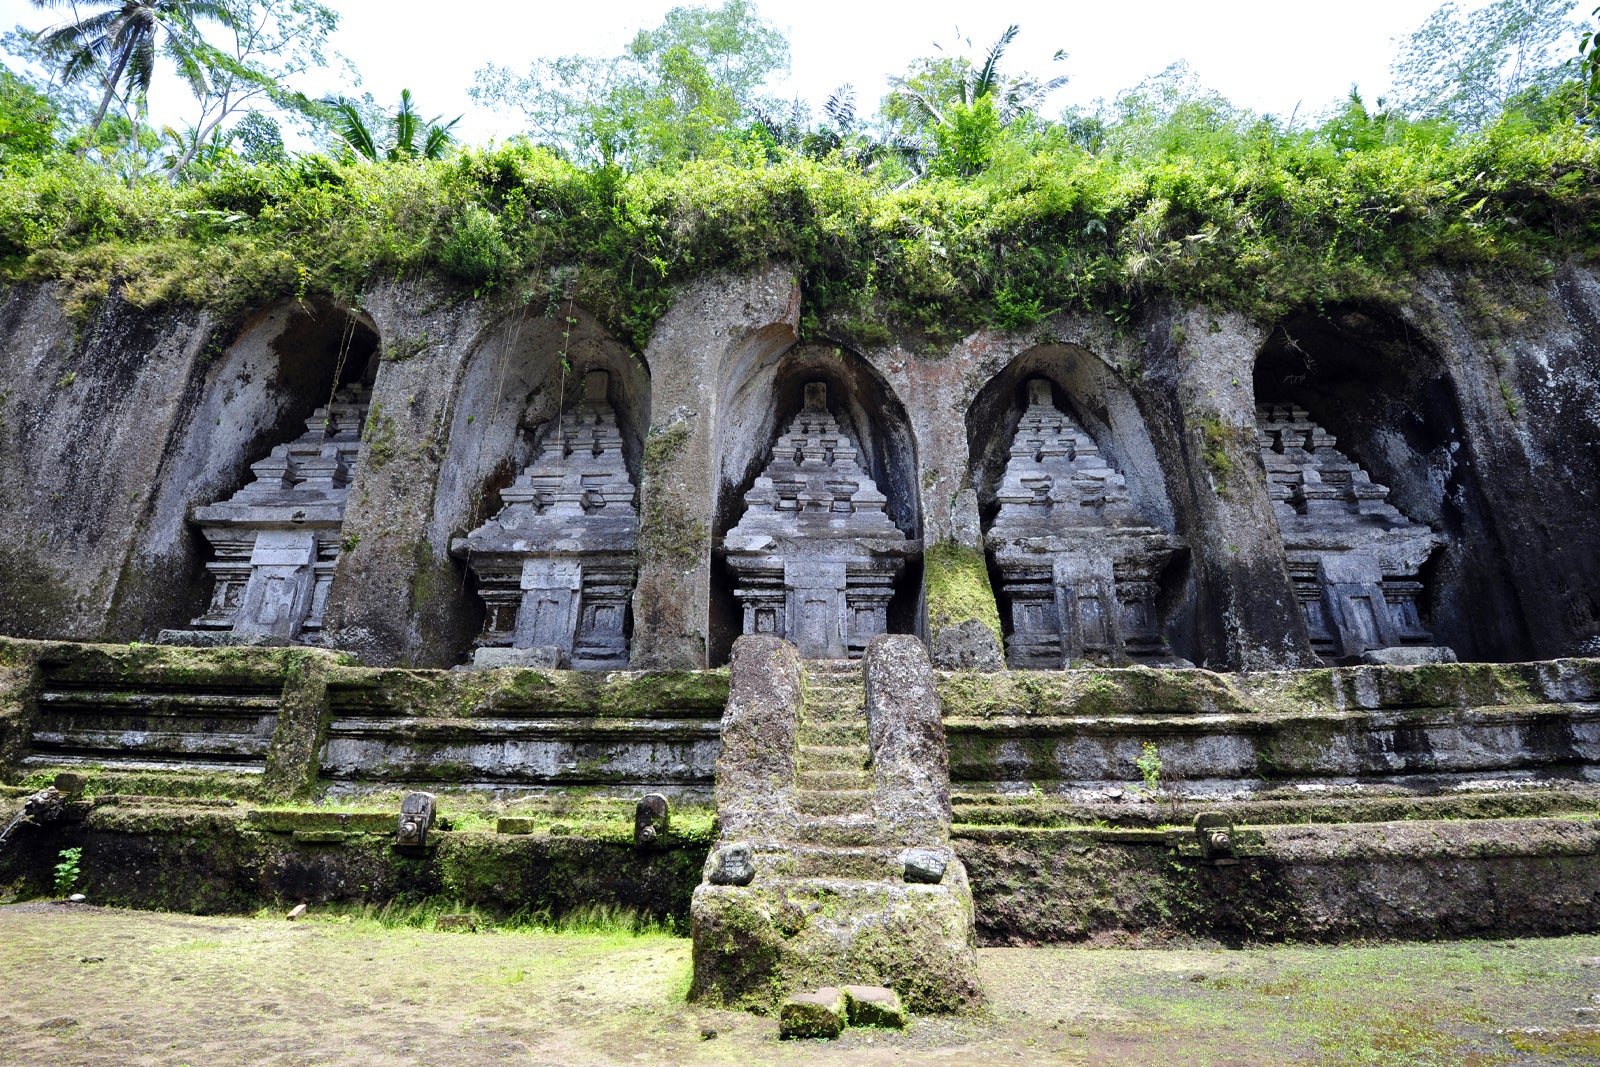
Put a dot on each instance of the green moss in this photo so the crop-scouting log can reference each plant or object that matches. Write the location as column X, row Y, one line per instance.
column 956, row 579
column 1220, row 443
column 662, row 445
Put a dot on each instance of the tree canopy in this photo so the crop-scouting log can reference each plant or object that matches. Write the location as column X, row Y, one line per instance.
column 677, row 92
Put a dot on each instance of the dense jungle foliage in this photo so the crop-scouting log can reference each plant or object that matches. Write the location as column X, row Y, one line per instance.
column 1006, row 217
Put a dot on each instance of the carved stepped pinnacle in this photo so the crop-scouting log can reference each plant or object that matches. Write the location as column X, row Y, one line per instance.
column 834, row 865
column 555, row 566
column 276, row 540
column 815, row 557
column 1353, row 556
column 1079, row 565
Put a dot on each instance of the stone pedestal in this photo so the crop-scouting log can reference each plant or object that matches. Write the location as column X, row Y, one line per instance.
column 815, row 558
column 1353, row 556
column 555, row 566
column 276, row 540
column 1079, row 566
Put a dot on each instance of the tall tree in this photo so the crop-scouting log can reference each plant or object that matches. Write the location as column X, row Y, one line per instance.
column 1465, row 65
column 120, row 45
column 678, row 91
column 264, row 45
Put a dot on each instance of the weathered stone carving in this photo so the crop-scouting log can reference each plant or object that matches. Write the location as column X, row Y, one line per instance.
column 1078, row 564
column 1353, row 556
column 815, row 558
column 276, row 540
column 555, row 566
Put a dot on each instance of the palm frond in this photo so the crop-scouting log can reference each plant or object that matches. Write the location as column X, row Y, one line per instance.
column 989, row 75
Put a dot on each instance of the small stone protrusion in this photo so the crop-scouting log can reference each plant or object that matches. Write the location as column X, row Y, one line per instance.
column 819, row 1014
column 924, row 865
column 296, row 912
column 650, row 820
column 1214, row 831
column 731, row 865
column 71, row 784
column 873, row 1005
column 416, row 819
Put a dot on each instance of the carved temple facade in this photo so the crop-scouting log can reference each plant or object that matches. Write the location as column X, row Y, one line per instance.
column 815, row 558
column 1353, row 557
column 276, row 540
column 1080, row 567
column 555, row 567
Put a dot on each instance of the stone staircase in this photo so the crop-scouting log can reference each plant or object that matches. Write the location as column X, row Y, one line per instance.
column 810, row 884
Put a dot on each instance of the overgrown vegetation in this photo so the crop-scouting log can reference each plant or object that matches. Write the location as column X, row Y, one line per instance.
column 968, row 222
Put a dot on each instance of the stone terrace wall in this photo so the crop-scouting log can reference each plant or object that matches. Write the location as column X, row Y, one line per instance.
column 264, row 722
column 1083, row 730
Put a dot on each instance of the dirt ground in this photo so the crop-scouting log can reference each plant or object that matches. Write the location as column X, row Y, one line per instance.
column 84, row 985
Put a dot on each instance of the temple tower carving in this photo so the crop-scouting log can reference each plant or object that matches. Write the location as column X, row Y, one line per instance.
column 277, row 539
column 555, row 567
column 815, row 558
column 1079, row 565
column 1353, row 557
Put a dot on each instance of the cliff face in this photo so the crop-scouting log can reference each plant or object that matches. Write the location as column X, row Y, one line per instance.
column 1481, row 417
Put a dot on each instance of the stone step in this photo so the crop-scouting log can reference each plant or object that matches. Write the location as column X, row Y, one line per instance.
column 834, row 801
column 833, row 757
column 835, row 778
column 856, row 829
column 831, row 666
column 863, row 862
column 829, row 716
column 830, row 735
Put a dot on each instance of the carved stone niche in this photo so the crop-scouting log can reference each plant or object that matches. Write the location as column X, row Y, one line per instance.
column 1079, row 565
column 815, row 558
column 1353, row 556
column 276, row 540
column 555, row 566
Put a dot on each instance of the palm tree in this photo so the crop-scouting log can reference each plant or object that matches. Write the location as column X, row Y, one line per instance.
column 404, row 129
column 122, row 43
column 956, row 82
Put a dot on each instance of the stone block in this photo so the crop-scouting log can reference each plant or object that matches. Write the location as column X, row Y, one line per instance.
column 71, row 783
column 416, row 819
column 220, row 639
column 462, row 922
column 820, row 1014
column 969, row 645
column 1409, row 655
column 733, row 864
column 924, row 865
column 752, row 943
column 873, row 1005
column 756, row 770
column 911, row 765
column 650, row 820
column 543, row 658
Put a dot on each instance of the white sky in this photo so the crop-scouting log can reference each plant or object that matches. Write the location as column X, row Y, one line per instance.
column 1269, row 55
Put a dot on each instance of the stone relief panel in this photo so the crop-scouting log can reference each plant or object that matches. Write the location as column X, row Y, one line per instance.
column 555, row 567
column 276, row 540
column 815, row 558
column 1080, row 567
column 1354, row 558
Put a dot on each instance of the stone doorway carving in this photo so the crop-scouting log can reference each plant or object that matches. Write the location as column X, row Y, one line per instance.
column 1354, row 557
column 815, row 557
column 277, row 539
column 1080, row 568
column 555, row 566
